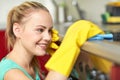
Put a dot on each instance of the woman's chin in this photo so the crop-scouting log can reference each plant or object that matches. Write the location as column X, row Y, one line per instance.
column 41, row 53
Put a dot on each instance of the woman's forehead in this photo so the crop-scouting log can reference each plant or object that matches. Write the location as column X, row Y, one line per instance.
column 39, row 18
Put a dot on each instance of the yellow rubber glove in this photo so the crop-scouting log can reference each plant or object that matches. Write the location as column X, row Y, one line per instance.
column 65, row 57
column 54, row 46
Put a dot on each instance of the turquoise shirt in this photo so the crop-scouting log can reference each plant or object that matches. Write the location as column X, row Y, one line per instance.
column 7, row 64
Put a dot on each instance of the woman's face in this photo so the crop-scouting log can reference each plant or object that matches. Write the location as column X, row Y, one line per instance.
column 36, row 34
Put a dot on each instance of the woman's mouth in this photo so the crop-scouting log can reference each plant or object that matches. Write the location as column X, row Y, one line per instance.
column 43, row 46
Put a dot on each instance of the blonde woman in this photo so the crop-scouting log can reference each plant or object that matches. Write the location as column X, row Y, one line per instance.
column 29, row 29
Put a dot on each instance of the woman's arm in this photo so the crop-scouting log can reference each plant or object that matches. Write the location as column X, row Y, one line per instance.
column 52, row 75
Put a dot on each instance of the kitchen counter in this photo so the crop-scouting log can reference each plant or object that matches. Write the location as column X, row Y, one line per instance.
column 107, row 49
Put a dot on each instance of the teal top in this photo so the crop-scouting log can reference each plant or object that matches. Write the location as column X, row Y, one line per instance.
column 7, row 64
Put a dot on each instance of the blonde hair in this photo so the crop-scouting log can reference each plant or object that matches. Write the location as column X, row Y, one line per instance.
column 16, row 15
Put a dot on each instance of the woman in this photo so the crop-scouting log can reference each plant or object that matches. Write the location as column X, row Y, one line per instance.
column 29, row 33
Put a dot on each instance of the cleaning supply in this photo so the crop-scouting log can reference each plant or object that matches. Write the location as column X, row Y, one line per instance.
column 65, row 56
column 102, row 37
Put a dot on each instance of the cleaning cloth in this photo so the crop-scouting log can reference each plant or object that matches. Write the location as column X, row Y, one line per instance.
column 102, row 37
column 65, row 56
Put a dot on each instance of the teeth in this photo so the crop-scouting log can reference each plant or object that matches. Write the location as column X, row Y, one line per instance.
column 43, row 44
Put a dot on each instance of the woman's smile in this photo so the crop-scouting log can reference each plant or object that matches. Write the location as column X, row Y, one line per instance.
column 43, row 45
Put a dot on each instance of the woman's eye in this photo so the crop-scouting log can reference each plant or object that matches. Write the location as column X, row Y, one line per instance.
column 50, row 31
column 40, row 30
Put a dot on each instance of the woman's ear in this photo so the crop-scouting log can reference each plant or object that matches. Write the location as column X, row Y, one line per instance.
column 17, row 30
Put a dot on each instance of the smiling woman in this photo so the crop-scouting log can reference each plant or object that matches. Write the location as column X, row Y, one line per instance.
column 29, row 34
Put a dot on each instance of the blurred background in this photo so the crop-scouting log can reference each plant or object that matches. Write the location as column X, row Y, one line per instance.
column 64, row 12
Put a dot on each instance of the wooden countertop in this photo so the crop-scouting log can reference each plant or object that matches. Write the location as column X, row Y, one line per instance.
column 105, row 48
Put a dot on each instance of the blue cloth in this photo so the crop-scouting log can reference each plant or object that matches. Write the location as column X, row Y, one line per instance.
column 7, row 64
column 101, row 37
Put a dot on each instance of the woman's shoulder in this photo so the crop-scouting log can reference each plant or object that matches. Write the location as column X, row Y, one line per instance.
column 10, row 68
column 15, row 74
column 5, row 66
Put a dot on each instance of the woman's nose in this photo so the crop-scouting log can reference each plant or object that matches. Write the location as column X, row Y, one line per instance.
column 47, row 36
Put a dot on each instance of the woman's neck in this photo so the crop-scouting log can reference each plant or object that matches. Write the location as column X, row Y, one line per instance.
column 23, row 59
column 21, row 56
